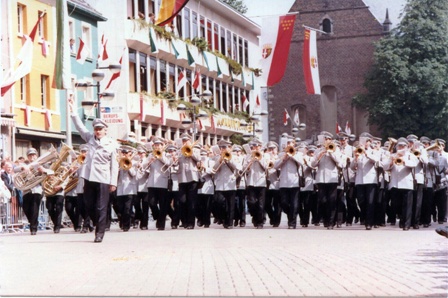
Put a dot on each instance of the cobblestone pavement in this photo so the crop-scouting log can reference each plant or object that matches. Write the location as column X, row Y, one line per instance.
column 309, row 261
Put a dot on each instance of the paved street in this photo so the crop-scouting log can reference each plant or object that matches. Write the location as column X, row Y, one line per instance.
column 240, row 262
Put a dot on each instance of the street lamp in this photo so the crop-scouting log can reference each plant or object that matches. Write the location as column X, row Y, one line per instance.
column 253, row 121
column 195, row 100
column 98, row 75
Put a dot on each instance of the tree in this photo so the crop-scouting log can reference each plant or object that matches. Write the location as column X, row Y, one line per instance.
column 407, row 87
column 238, row 5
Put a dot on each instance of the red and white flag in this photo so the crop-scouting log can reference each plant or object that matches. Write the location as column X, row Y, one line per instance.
column 27, row 115
column 48, row 118
column 310, row 64
column 25, row 56
column 102, row 55
column 181, row 80
column 285, row 117
column 296, row 117
column 275, row 40
column 212, row 123
column 44, row 48
column 200, row 126
column 244, row 102
column 257, row 104
column 348, row 130
column 338, row 128
column 162, row 112
column 196, row 79
column 182, row 116
column 83, row 52
column 142, row 108
column 115, row 75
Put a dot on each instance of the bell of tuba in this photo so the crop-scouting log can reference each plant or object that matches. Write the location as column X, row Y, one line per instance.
column 60, row 172
column 27, row 180
column 392, row 143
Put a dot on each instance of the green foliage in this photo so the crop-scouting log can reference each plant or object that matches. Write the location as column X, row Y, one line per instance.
column 238, row 5
column 201, row 43
column 407, row 87
column 238, row 139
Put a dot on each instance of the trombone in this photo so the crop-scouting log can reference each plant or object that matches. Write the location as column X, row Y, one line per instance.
column 359, row 150
column 256, row 156
column 157, row 154
column 124, row 162
column 187, row 150
column 225, row 156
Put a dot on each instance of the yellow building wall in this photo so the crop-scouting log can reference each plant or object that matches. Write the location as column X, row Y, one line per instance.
column 41, row 66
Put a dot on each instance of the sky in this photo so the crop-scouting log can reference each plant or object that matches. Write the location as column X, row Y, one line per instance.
column 259, row 8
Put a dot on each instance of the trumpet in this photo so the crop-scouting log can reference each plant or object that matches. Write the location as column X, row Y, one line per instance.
column 256, row 156
column 398, row 161
column 330, row 147
column 290, row 150
column 359, row 150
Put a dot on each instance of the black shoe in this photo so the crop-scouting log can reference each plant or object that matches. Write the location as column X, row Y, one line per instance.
column 125, row 230
column 77, row 230
column 260, row 227
column 206, row 226
column 160, row 229
column 392, row 223
column 348, row 224
column 382, row 225
column 173, row 227
column 57, row 230
column 406, row 228
column 200, row 224
column 143, row 228
column 83, row 231
column 317, row 224
column 368, row 227
column 376, row 226
column 440, row 222
column 416, row 227
column 107, row 229
column 235, row 223
column 91, row 229
column 356, row 220
column 190, row 228
column 291, row 227
column 98, row 239
column 442, row 231
column 242, row 224
column 33, row 233
column 425, row 225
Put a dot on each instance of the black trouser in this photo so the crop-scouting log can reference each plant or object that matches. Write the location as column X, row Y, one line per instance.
column 173, row 211
column 273, row 206
column 352, row 205
column 341, row 207
column 153, row 205
column 203, row 205
column 96, row 200
column 316, row 216
column 161, row 196
column 305, row 206
column 417, row 199
column 327, row 196
column 289, row 202
column 255, row 201
column 402, row 202
column 141, row 206
column 380, row 207
column 83, row 212
column 55, row 206
column 366, row 199
column 31, row 208
column 124, row 204
column 240, row 205
column 440, row 204
column 187, row 202
column 427, row 205
column 73, row 212
column 225, row 206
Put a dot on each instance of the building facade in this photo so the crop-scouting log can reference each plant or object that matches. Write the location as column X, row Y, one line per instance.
column 345, row 55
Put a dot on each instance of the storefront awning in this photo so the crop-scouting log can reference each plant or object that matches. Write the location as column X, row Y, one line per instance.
column 43, row 134
column 7, row 122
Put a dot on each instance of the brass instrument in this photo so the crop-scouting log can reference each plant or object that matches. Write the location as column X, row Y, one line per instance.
column 60, row 172
column 81, row 159
column 124, row 162
column 187, row 150
column 225, row 156
column 256, row 156
column 330, row 147
column 28, row 179
column 434, row 147
column 359, row 150
column 72, row 180
column 392, row 143
column 398, row 161
column 290, row 150
column 417, row 153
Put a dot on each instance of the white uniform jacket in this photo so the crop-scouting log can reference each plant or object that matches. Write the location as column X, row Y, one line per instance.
column 256, row 175
column 127, row 182
column 158, row 171
column 401, row 175
column 364, row 166
column 289, row 169
column 328, row 166
column 101, row 161
column 225, row 175
column 188, row 170
column 209, row 187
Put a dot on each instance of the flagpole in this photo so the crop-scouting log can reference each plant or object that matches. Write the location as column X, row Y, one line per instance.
column 317, row 30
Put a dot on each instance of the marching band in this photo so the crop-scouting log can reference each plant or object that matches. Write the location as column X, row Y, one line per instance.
column 329, row 182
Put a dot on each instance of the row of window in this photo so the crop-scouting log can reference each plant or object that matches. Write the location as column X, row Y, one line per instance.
column 154, row 75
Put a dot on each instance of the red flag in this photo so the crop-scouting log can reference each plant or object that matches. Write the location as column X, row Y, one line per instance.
column 257, row 103
column 285, row 117
column 197, row 79
column 115, row 75
column 310, row 65
column 102, row 55
column 27, row 115
column 48, row 118
column 245, row 102
column 142, row 108
column 168, row 10
column 162, row 112
column 348, row 129
column 25, row 56
column 182, row 116
column 181, row 80
column 212, row 123
column 83, row 52
column 338, row 128
column 275, row 40
column 201, row 127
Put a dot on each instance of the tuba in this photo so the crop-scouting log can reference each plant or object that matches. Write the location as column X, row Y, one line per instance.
column 27, row 180
column 392, row 143
column 60, row 172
